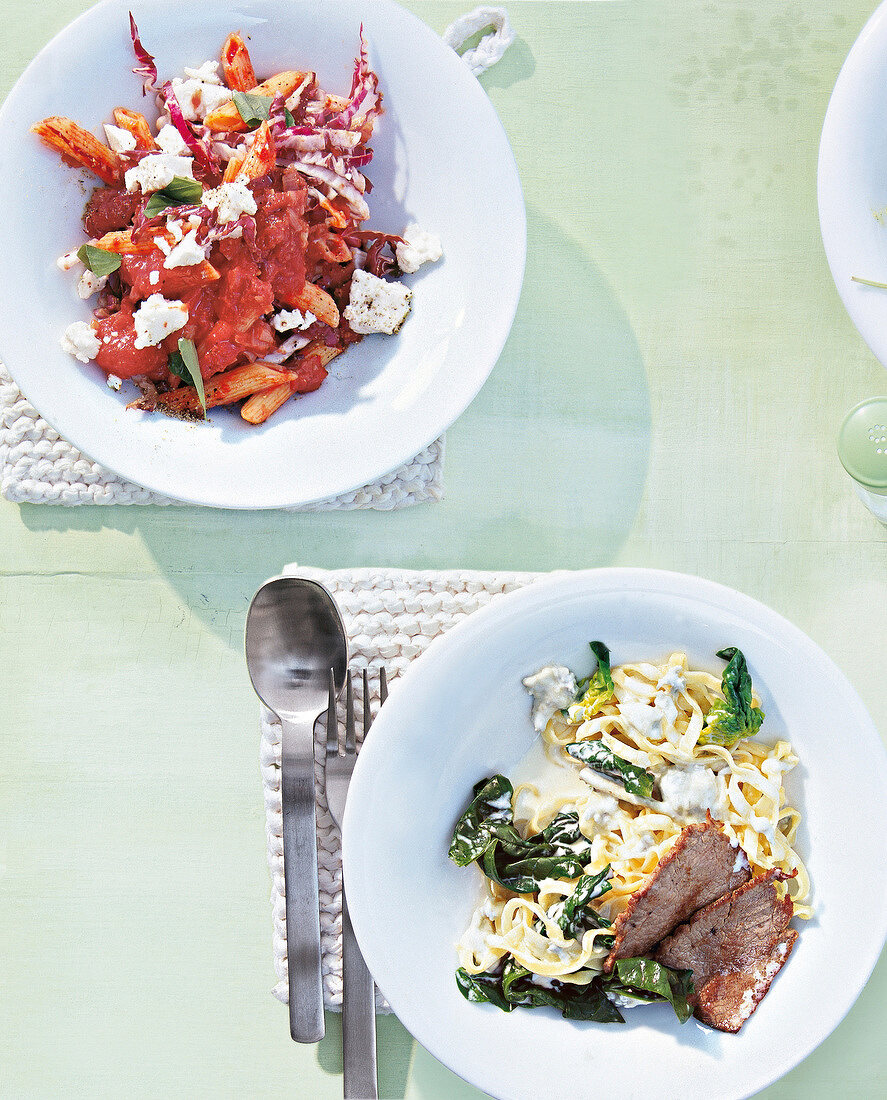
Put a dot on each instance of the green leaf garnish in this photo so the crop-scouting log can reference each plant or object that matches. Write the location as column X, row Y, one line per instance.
column 513, row 988
column 184, row 363
column 99, row 260
column 597, row 756
column 577, row 917
column 254, row 109
column 597, row 689
column 732, row 718
column 180, row 191
column 646, row 980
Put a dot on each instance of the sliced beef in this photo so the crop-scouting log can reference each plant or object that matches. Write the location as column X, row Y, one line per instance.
column 701, row 867
column 735, row 947
column 727, row 1000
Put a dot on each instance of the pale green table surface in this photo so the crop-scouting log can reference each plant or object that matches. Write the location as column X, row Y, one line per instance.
column 669, row 397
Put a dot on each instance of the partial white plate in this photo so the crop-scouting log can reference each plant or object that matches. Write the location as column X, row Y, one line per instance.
column 461, row 714
column 441, row 159
column 852, row 182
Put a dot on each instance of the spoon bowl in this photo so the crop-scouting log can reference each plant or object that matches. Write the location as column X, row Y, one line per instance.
column 294, row 639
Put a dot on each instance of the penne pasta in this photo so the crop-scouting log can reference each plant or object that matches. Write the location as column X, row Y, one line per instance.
column 79, row 145
column 135, row 123
column 227, row 117
column 261, row 157
column 236, row 64
column 318, row 302
column 222, row 389
column 304, row 378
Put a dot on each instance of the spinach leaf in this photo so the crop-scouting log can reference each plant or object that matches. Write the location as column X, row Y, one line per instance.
column 576, row 917
column 184, row 363
column 474, row 833
column 482, row 989
column 521, row 871
column 733, row 718
column 561, row 833
column 514, row 989
column 640, row 976
column 486, row 833
column 99, row 260
column 601, row 759
column 180, row 191
column 254, row 109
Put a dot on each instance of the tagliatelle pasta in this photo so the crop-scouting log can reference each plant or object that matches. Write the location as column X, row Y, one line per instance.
column 627, row 763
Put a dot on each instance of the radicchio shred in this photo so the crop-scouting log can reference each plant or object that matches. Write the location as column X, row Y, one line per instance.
column 146, row 67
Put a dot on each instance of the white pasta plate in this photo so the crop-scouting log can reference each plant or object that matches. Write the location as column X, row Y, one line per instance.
column 461, row 714
column 852, row 182
column 441, row 160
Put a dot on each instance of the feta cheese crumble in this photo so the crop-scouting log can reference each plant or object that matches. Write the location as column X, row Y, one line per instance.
column 186, row 253
column 419, row 247
column 154, row 278
column 375, row 305
column 230, row 200
column 113, row 382
column 120, row 140
column 199, row 95
column 688, row 792
column 156, row 318
column 288, row 319
column 171, row 141
column 154, row 172
column 80, row 340
column 90, row 284
column 69, row 260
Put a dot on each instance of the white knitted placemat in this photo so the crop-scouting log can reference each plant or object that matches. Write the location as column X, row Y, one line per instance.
column 391, row 615
column 37, row 466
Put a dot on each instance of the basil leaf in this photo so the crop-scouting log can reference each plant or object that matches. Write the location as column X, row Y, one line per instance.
column 577, row 917
column 99, row 260
column 733, row 718
column 601, row 759
column 482, row 989
column 254, row 109
column 180, row 191
column 184, row 363
column 472, row 835
column 633, row 976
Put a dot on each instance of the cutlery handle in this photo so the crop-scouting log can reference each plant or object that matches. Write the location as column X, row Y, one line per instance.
column 300, row 873
column 358, row 1017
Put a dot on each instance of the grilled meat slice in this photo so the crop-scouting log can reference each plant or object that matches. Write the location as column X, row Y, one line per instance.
column 700, row 868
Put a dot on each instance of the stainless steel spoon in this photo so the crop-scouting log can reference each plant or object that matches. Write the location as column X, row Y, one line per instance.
column 294, row 636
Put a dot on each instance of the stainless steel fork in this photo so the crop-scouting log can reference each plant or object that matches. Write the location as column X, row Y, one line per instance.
column 358, row 990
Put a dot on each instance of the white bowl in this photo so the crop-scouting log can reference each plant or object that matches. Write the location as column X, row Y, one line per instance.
column 461, row 714
column 852, row 182
column 441, row 159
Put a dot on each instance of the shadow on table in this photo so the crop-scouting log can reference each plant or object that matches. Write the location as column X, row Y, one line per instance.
column 545, row 470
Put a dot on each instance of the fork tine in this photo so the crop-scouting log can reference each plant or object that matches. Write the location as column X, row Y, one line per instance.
column 367, row 712
column 383, row 685
column 349, row 716
column 332, row 726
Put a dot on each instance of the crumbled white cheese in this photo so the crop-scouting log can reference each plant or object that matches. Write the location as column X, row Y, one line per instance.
column 175, row 229
column 186, row 253
column 69, row 260
column 80, row 340
column 288, row 319
column 154, row 278
column 208, row 72
column 155, row 171
column 156, row 318
column 688, row 792
column 198, row 97
column 646, row 720
column 552, row 687
column 286, row 348
column 113, row 382
column 90, row 283
column 418, row 248
column 230, row 200
column 171, row 141
column 375, row 305
column 119, row 140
